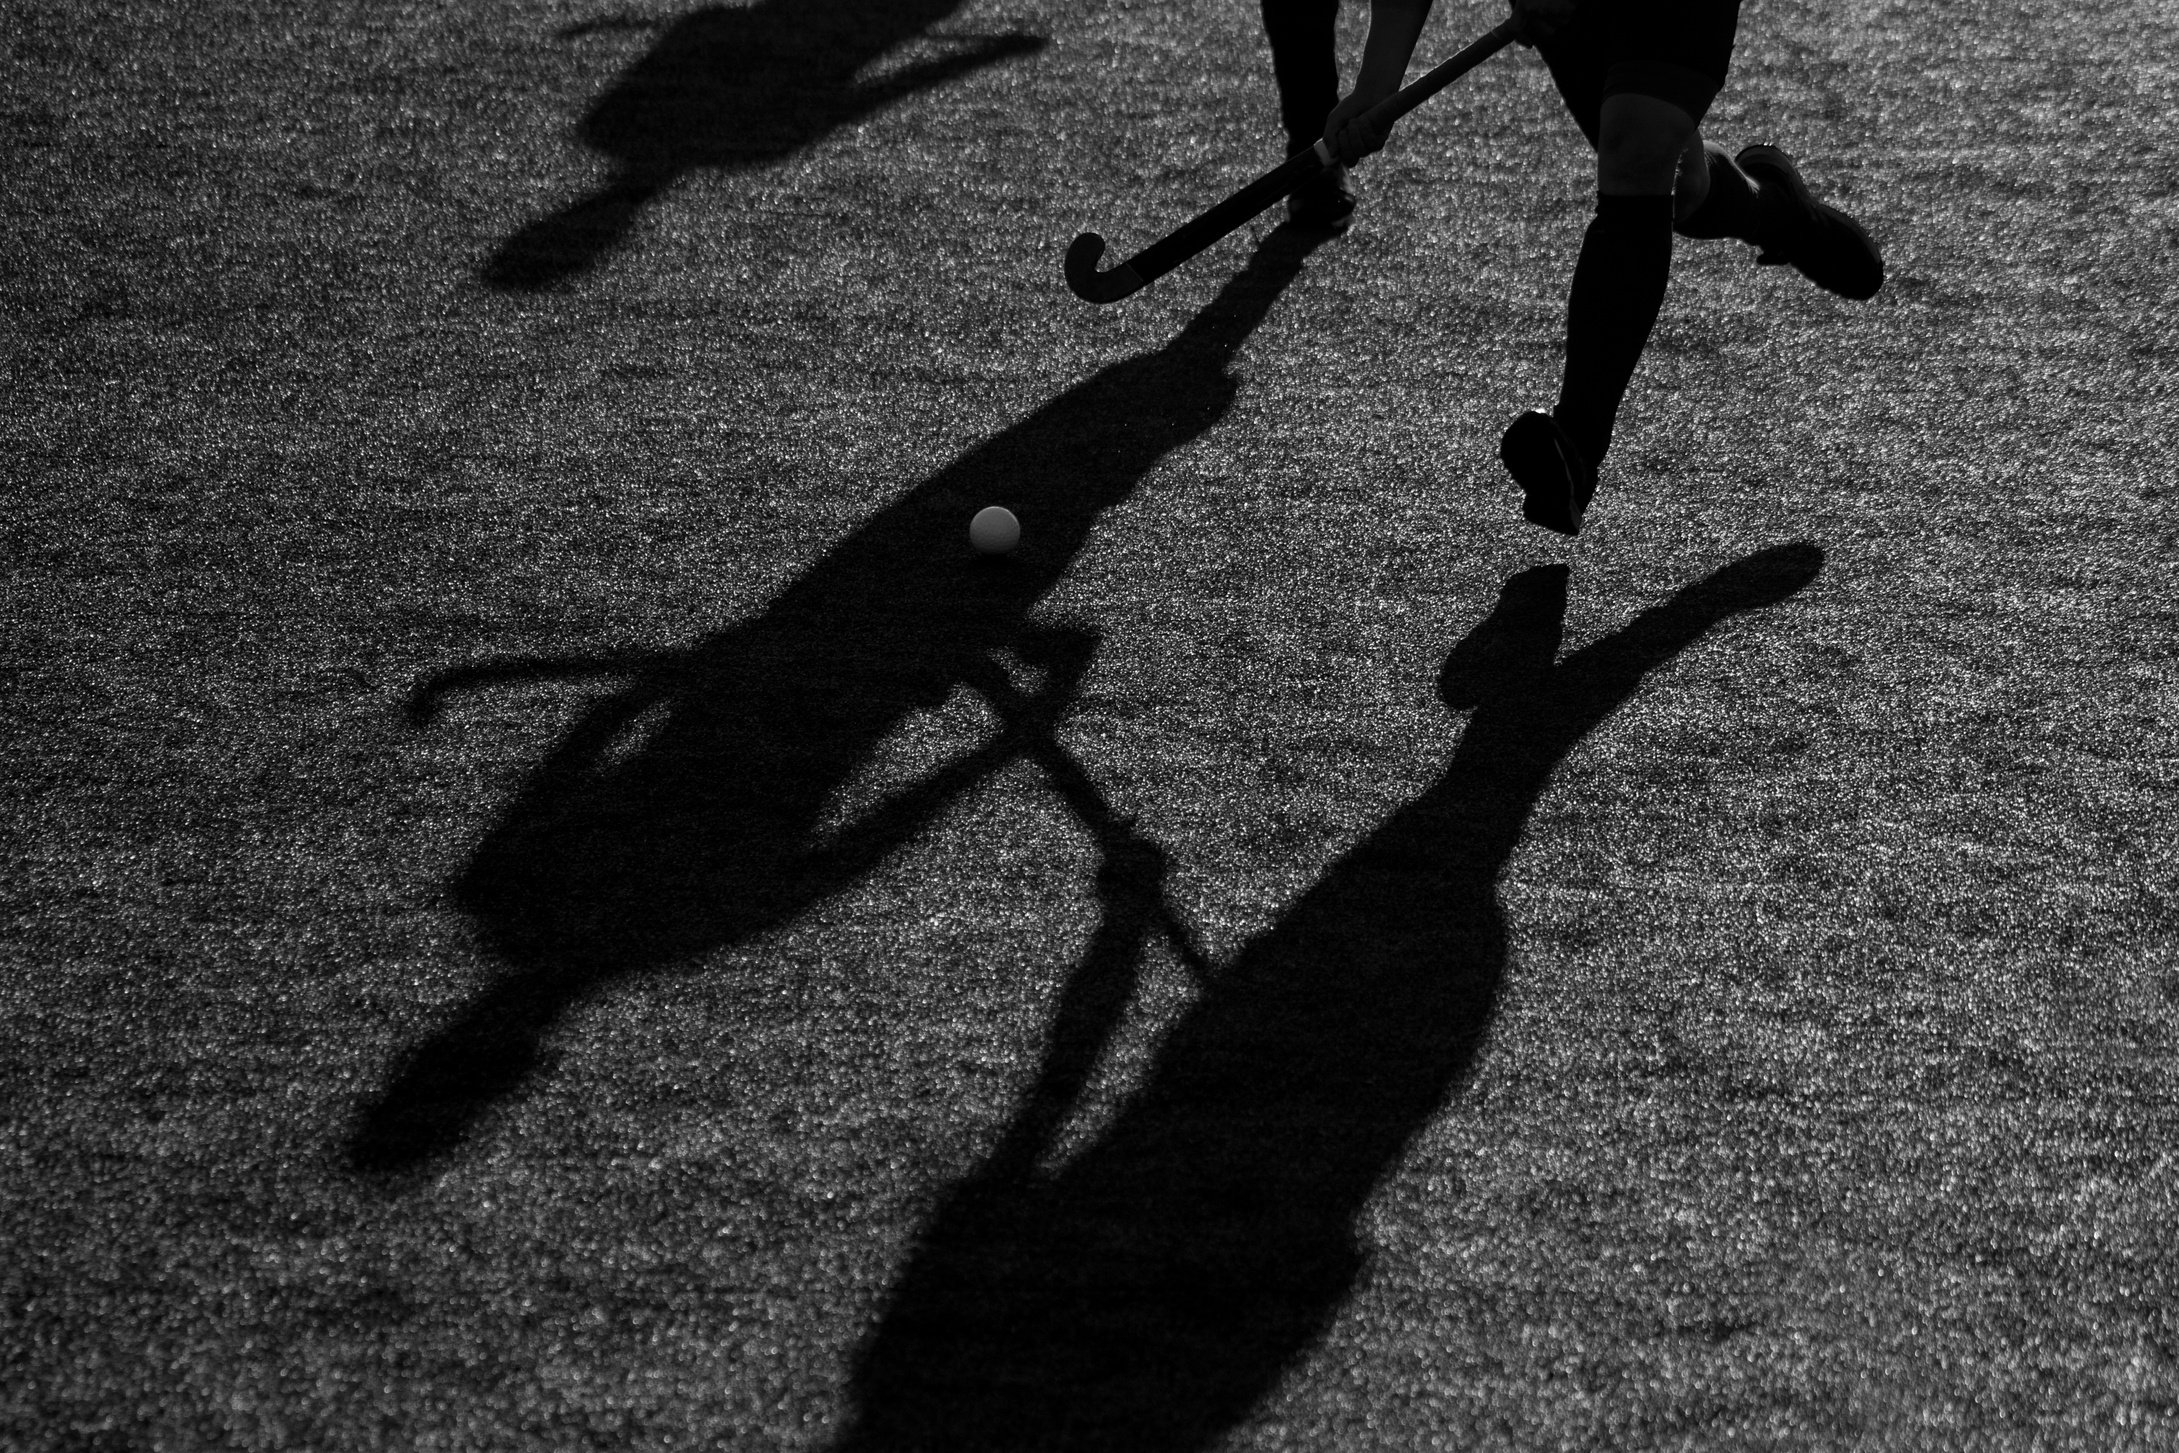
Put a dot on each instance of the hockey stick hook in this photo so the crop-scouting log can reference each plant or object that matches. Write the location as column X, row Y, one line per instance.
column 1191, row 237
column 1090, row 285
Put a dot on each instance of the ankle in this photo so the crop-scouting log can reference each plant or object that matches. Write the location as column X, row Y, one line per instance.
column 1589, row 438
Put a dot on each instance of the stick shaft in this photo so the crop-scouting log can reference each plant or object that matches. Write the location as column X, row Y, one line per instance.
column 1438, row 77
column 1199, row 232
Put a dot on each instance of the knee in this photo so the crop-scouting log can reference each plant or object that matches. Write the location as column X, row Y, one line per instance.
column 1639, row 145
column 1691, row 187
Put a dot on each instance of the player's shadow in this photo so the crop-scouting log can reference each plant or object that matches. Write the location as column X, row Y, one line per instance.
column 732, row 88
column 1148, row 1293
column 684, row 813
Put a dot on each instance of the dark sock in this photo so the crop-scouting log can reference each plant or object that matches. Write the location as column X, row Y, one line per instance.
column 1305, row 62
column 1619, row 284
column 1730, row 210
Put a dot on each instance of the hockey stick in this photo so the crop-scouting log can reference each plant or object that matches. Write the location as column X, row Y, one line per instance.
column 1191, row 237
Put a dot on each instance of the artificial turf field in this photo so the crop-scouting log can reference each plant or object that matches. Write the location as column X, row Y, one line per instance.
column 552, row 902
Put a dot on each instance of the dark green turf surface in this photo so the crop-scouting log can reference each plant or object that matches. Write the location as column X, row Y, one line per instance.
column 1737, row 1011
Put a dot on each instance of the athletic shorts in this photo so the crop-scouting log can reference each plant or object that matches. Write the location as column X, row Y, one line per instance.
column 1675, row 50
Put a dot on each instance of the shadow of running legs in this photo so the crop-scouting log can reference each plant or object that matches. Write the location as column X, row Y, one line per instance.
column 1149, row 1293
column 683, row 813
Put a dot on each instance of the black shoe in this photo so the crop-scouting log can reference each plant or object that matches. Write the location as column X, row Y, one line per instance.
column 1550, row 470
column 1825, row 245
column 1324, row 203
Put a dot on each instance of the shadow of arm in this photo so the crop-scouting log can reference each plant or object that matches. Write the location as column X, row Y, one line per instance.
column 859, row 846
column 421, row 705
column 927, row 75
column 1132, row 863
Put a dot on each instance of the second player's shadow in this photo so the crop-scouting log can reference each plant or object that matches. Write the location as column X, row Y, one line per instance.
column 686, row 812
column 733, row 88
column 1148, row 1293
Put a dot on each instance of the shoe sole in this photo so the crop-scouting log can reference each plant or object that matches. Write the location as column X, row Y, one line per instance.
column 1325, row 212
column 1321, row 220
column 1770, row 165
column 1549, row 482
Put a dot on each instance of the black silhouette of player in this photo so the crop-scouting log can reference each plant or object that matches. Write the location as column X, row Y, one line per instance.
column 1638, row 76
column 1305, row 61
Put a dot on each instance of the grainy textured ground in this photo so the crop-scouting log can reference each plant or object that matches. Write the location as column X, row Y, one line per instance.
column 550, row 903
